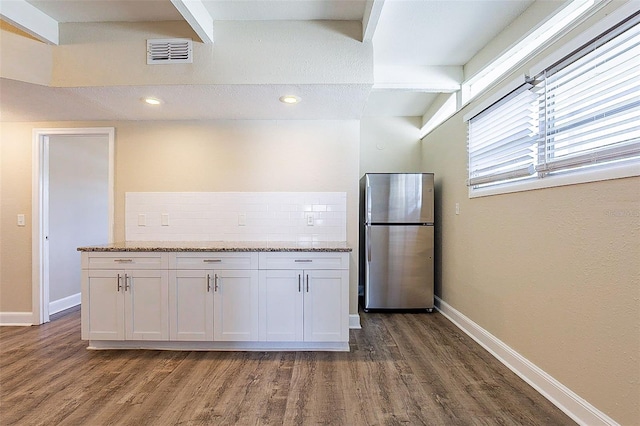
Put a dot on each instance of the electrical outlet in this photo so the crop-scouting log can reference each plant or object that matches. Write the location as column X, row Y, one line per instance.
column 310, row 220
column 21, row 221
column 242, row 219
column 457, row 208
column 142, row 219
column 164, row 219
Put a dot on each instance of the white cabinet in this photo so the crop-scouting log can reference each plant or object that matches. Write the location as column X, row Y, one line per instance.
column 121, row 303
column 146, row 305
column 191, row 300
column 283, row 300
column 216, row 300
column 309, row 305
column 235, row 305
column 326, row 317
column 214, row 304
column 102, row 305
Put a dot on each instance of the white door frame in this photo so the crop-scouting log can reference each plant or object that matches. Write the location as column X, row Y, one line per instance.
column 40, row 211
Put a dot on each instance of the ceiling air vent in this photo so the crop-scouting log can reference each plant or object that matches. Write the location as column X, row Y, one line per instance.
column 169, row 51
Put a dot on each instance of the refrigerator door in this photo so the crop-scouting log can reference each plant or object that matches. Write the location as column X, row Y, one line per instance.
column 399, row 198
column 399, row 267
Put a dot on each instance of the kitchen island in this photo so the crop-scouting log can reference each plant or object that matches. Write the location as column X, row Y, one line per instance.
column 216, row 295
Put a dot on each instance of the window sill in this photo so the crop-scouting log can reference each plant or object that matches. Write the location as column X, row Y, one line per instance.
column 623, row 169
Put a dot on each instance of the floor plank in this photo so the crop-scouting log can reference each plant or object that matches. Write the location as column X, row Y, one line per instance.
column 403, row 369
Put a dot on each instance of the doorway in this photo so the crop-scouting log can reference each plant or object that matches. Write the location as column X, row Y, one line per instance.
column 72, row 207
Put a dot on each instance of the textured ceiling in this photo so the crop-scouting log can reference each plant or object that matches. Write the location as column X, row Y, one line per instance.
column 181, row 102
column 408, row 33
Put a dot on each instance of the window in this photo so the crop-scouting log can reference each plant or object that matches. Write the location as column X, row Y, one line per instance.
column 441, row 115
column 583, row 111
column 573, row 12
column 502, row 139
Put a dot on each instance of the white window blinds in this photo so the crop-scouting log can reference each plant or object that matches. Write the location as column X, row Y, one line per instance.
column 590, row 104
column 502, row 139
column 582, row 111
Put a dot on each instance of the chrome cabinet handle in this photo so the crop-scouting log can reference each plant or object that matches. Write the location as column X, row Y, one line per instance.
column 299, row 279
column 212, row 260
column 208, row 283
column 123, row 260
column 303, row 260
column 127, row 282
column 119, row 282
column 307, row 283
column 215, row 282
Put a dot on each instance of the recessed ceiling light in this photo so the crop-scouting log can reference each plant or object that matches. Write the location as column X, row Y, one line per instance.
column 151, row 101
column 289, row 99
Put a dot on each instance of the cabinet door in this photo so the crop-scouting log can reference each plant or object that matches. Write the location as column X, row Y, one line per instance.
column 146, row 305
column 235, row 305
column 283, row 303
column 191, row 305
column 103, row 305
column 325, row 317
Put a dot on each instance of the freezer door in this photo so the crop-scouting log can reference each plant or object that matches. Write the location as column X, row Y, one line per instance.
column 399, row 267
column 399, row 198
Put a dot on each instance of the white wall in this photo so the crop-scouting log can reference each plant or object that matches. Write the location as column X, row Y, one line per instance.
column 78, row 206
column 236, row 216
column 309, row 52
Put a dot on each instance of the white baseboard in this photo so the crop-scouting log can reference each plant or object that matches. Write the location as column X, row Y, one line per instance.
column 354, row 321
column 562, row 397
column 64, row 303
column 16, row 319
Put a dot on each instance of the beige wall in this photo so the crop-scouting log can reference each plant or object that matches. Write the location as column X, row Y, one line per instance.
column 389, row 145
column 1, row 215
column 187, row 156
column 24, row 58
column 553, row 273
column 15, row 242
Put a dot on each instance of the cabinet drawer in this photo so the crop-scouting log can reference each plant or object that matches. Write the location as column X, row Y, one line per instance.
column 304, row 260
column 125, row 260
column 214, row 260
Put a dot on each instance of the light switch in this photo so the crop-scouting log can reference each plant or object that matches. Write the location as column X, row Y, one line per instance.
column 242, row 219
column 21, row 220
column 457, row 208
column 164, row 219
column 142, row 219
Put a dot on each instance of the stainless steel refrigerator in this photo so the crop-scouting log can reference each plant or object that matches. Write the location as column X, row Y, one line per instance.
column 396, row 241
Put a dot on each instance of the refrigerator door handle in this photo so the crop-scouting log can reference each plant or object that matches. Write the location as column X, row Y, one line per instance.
column 368, row 239
column 368, row 201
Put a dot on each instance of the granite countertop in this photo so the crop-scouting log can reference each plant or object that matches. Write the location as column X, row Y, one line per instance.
column 220, row 246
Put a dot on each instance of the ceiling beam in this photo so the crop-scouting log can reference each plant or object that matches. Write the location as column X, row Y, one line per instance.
column 372, row 11
column 31, row 20
column 197, row 15
column 417, row 78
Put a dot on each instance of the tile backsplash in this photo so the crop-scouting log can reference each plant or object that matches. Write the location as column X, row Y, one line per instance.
column 236, row 216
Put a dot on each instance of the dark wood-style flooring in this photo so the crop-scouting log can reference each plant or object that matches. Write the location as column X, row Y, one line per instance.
column 410, row 369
